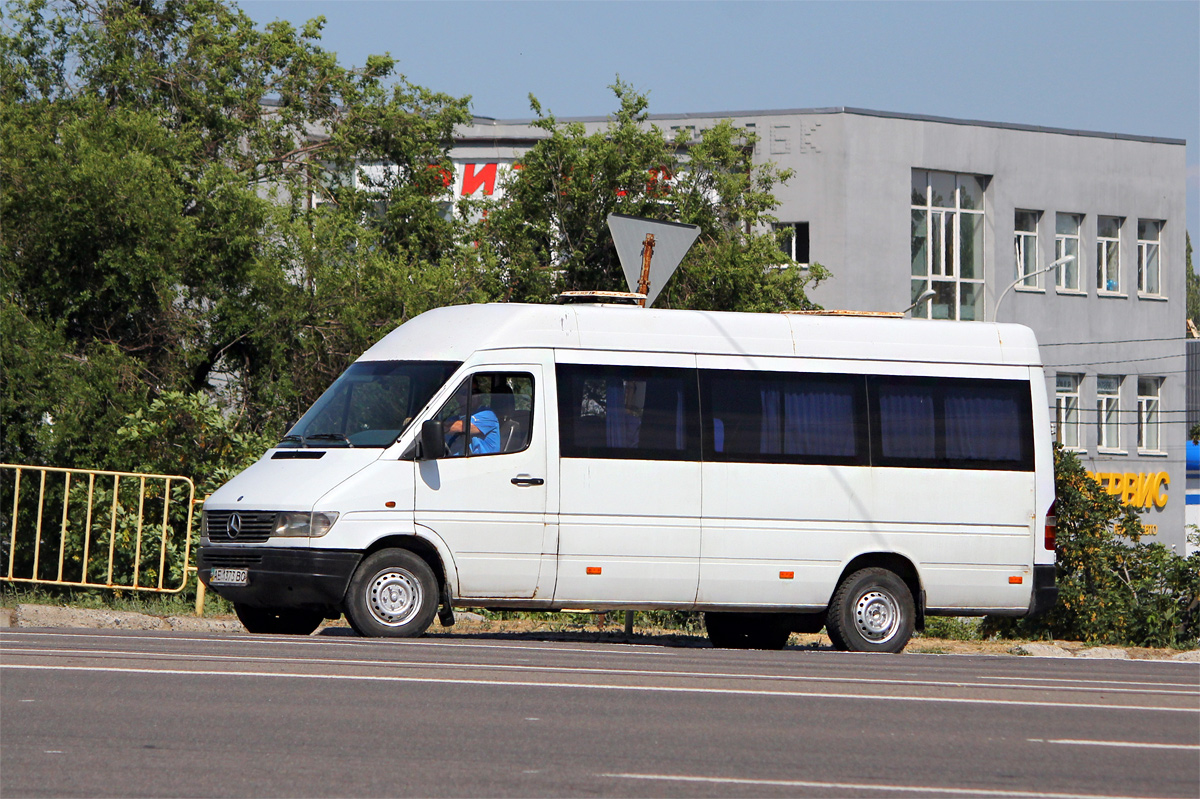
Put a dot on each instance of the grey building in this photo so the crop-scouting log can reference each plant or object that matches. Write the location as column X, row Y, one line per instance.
column 1079, row 235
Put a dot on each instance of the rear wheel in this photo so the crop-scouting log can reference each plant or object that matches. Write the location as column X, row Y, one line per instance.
column 748, row 630
column 393, row 594
column 871, row 611
column 279, row 621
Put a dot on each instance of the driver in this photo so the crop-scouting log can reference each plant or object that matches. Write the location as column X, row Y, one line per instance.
column 485, row 427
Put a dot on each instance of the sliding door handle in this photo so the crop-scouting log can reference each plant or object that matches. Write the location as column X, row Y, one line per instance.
column 526, row 480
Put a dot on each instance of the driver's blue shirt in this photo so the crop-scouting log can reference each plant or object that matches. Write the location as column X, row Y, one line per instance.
column 488, row 440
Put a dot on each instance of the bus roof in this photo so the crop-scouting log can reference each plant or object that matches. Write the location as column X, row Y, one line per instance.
column 454, row 332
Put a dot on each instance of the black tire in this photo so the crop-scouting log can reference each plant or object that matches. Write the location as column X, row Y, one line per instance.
column 278, row 621
column 871, row 611
column 748, row 630
column 393, row 594
column 835, row 638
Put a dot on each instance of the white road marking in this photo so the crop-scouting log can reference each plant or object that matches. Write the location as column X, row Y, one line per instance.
column 1125, row 744
column 190, row 657
column 600, row 687
column 1195, row 684
column 857, row 786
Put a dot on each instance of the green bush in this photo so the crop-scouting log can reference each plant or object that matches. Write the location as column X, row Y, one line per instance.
column 1113, row 587
column 951, row 628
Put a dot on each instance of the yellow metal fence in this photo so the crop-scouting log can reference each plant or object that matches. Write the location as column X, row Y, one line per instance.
column 95, row 529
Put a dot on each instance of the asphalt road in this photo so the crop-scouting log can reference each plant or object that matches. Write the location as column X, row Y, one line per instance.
column 111, row 713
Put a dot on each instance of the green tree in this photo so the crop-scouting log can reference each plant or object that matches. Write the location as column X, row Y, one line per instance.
column 183, row 207
column 548, row 231
column 1193, row 285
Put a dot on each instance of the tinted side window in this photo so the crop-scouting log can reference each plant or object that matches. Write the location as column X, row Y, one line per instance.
column 951, row 423
column 783, row 417
column 628, row 412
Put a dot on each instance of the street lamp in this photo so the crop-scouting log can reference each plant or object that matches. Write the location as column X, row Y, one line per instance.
column 1065, row 259
column 926, row 296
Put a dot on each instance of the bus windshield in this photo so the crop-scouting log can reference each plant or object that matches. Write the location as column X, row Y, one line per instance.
column 370, row 404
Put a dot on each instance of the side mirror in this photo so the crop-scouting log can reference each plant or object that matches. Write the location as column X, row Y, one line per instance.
column 433, row 441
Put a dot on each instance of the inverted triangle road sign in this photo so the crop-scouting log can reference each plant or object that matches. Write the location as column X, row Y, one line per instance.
column 668, row 242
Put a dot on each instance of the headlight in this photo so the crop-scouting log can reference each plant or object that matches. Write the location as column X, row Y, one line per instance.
column 298, row 525
column 321, row 522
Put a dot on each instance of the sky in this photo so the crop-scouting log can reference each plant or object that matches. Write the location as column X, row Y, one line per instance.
column 1113, row 67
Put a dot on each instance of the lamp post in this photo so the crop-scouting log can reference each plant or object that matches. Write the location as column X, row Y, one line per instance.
column 996, row 311
column 926, row 296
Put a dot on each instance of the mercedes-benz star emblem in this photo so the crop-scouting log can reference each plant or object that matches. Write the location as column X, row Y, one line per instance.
column 233, row 527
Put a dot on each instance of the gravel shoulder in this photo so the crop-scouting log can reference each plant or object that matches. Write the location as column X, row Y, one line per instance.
column 587, row 628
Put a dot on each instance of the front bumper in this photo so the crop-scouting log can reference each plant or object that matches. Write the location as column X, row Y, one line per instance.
column 1045, row 590
column 280, row 577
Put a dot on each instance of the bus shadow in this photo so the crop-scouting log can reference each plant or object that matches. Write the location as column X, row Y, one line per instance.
column 666, row 640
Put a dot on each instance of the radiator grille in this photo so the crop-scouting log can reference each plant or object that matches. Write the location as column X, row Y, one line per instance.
column 243, row 526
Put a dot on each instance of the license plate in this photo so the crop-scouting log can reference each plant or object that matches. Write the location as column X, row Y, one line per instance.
column 229, row 577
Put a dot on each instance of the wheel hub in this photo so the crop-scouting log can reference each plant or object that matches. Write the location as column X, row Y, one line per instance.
column 394, row 597
column 877, row 616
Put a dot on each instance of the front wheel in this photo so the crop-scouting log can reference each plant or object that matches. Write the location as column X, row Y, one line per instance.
column 393, row 594
column 280, row 621
column 871, row 611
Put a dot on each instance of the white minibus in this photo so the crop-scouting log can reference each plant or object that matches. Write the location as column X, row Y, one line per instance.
column 778, row 472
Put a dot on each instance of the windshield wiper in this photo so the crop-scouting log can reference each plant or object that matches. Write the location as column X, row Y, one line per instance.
column 329, row 437
column 294, row 439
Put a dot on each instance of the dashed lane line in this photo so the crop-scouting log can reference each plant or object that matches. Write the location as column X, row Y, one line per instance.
column 1121, row 744
column 924, row 790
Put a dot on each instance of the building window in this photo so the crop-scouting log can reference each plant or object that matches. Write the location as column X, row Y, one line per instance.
column 1066, row 410
column 1108, row 407
column 1025, row 236
column 947, row 244
column 1066, row 242
column 1148, row 421
column 1108, row 254
column 1149, row 235
column 794, row 241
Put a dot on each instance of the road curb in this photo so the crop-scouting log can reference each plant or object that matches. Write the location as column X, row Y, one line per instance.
column 56, row 617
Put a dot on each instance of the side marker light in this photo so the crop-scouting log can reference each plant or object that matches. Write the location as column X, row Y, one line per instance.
column 593, row 569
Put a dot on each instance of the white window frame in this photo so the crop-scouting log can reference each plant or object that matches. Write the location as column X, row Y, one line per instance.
column 1108, row 412
column 1149, row 421
column 789, row 241
column 1025, row 248
column 1066, row 411
column 1150, row 258
column 1068, row 244
column 943, row 233
column 1108, row 281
